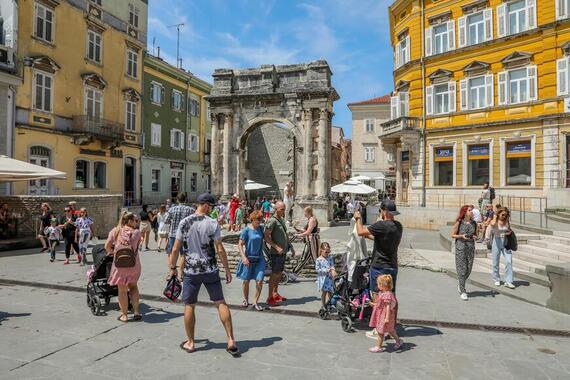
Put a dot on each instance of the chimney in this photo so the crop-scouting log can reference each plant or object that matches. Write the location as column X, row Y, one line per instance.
column 158, row 54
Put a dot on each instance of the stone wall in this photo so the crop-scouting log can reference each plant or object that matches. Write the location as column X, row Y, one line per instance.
column 269, row 159
column 103, row 209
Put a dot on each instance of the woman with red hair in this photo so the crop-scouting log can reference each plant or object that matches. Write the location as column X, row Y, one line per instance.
column 464, row 232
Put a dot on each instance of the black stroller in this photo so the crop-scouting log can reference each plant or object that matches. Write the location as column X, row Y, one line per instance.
column 350, row 298
column 98, row 289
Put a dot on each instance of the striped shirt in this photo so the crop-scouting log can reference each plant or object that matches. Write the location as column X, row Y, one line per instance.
column 175, row 214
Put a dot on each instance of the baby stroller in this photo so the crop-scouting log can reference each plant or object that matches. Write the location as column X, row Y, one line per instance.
column 350, row 298
column 97, row 287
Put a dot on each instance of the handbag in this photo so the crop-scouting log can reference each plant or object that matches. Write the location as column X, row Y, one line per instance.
column 511, row 242
column 124, row 255
column 173, row 288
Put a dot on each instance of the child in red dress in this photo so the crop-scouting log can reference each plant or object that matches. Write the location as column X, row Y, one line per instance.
column 383, row 315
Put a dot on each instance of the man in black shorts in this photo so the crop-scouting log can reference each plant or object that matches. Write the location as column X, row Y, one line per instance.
column 203, row 239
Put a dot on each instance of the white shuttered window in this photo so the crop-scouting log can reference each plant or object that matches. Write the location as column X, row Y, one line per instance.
column 516, row 17
column 562, row 9
column 440, row 38
column 476, row 92
column 562, row 76
column 518, row 85
column 399, row 105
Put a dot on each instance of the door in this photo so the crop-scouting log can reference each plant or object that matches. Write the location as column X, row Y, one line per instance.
column 130, row 173
column 175, row 182
column 568, row 161
column 405, row 181
column 39, row 156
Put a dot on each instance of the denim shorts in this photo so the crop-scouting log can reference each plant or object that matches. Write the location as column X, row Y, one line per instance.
column 375, row 272
column 170, row 245
column 193, row 282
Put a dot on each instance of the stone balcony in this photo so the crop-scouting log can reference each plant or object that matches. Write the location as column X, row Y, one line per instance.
column 396, row 127
column 85, row 128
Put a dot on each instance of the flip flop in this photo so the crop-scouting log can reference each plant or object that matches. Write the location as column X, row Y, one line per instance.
column 137, row 317
column 233, row 351
column 257, row 307
column 376, row 349
column 186, row 349
column 121, row 320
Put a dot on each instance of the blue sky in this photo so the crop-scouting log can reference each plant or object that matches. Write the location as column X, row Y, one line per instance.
column 352, row 35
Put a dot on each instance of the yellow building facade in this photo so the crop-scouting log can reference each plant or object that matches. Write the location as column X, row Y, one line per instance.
column 79, row 108
column 480, row 95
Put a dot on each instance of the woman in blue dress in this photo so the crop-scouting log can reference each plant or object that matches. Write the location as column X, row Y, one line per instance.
column 252, row 262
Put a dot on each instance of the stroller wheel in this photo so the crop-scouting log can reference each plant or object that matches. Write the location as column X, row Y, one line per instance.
column 284, row 278
column 95, row 305
column 346, row 324
column 107, row 300
column 323, row 314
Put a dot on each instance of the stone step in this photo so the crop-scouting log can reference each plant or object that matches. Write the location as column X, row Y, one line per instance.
column 524, row 266
column 564, row 234
column 565, row 214
column 555, row 250
column 558, row 218
column 556, row 238
column 536, row 255
column 520, row 271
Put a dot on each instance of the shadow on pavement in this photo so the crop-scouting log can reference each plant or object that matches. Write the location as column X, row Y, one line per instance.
column 483, row 293
column 518, row 283
column 409, row 331
column 300, row 301
column 5, row 316
column 244, row 345
column 157, row 315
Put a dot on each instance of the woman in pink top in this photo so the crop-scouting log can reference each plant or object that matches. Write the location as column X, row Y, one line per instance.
column 126, row 278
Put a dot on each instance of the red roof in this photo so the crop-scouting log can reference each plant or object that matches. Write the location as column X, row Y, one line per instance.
column 385, row 99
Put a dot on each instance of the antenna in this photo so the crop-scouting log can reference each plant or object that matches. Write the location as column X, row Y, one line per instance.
column 177, row 42
column 153, row 45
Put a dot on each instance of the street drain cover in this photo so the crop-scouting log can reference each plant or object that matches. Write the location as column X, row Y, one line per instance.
column 547, row 351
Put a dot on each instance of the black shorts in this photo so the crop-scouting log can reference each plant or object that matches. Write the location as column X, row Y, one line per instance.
column 193, row 282
column 277, row 263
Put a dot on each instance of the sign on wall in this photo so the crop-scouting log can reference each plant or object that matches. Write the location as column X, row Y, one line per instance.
column 518, row 149
column 443, row 153
column 478, row 152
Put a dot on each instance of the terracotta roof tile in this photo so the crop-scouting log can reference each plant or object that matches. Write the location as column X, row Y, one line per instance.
column 385, row 99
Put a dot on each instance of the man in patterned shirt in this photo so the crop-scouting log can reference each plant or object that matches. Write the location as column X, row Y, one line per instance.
column 203, row 239
column 173, row 217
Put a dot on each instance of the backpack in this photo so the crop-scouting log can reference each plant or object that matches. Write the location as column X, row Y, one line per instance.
column 491, row 193
column 125, row 256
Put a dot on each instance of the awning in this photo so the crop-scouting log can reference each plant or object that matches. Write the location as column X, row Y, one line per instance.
column 12, row 170
column 252, row 185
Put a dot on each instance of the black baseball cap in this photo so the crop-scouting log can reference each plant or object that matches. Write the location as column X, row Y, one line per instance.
column 206, row 198
column 390, row 206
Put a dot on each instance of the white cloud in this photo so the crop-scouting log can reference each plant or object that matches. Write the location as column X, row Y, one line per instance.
column 263, row 52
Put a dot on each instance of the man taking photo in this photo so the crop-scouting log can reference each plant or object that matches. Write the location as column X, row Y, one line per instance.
column 386, row 234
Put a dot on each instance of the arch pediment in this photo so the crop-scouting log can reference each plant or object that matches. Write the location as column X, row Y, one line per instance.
column 131, row 94
column 517, row 58
column 45, row 63
column 95, row 80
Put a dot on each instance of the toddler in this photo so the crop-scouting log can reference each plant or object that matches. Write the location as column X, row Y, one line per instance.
column 83, row 233
column 53, row 233
column 324, row 266
column 383, row 315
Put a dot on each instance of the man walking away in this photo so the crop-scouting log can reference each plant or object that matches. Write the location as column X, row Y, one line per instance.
column 173, row 217
column 278, row 241
column 202, row 235
column 288, row 195
column 386, row 234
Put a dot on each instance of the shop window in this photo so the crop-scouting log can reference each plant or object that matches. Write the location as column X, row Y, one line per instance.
column 478, row 164
column 81, row 174
column 518, row 161
column 99, row 175
column 443, row 166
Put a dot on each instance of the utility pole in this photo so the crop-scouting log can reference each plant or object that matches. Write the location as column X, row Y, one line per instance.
column 177, row 43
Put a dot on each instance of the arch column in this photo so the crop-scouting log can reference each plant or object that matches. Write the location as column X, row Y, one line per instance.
column 215, row 154
column 322, row 164
column 227, row 137
column 307, row 181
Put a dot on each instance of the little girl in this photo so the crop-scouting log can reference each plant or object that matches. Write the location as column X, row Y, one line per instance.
column 163, row 228
column 324, row 266
column 53, row 233
column 83, row 233
column 383, row 315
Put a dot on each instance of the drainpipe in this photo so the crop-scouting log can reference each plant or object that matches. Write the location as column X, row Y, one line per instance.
column 423, row 130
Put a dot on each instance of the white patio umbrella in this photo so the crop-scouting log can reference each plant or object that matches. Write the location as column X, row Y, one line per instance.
column 380, row 176
column 361, row 178
column 352, row 187
column 12, row 170
column 252, row 185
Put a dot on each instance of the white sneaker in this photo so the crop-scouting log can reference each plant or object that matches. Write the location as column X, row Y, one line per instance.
column 509, row 285
column 497, row 283
column 464, row 296
column 372, row 334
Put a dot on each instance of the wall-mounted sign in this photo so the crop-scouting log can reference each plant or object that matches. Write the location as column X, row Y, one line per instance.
column 518, row 149
column 478, row 152
column 41, row 119
column 405, row 155
column 177, row 165
column 443, row 153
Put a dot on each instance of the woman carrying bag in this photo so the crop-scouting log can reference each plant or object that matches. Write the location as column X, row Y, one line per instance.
column 464, row 232
column 500, row 237
column 123, row 242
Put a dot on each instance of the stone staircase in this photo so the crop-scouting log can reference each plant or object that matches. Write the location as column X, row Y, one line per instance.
column 535, row 251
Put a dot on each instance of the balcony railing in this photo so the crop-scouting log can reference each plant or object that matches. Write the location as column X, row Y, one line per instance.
column 97, row 127
column 400, row 124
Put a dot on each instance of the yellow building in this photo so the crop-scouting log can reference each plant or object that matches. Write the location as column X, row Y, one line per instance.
column 78, row 110
column 480, row 95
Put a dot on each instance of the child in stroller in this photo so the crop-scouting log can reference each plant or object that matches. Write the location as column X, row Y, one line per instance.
column 97, row 287
column 351, row 297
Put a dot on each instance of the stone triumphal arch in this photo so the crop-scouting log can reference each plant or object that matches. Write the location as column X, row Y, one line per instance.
column 299, row 97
